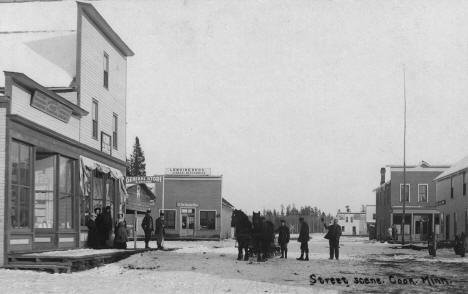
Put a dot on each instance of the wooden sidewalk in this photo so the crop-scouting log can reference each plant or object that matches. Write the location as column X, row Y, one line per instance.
column 66, row 263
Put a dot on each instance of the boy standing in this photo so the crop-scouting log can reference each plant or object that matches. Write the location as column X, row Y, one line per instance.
column 283, row 238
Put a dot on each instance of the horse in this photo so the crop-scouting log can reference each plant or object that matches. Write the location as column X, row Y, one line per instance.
column 243, row 231
column 263, row 236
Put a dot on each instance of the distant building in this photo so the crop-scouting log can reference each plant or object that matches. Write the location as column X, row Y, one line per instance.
column 352, row 223
column 370, row 220
column 191, row 199
column 452, row 200
column 421, row 214
column 140, row 198
column 62, row 124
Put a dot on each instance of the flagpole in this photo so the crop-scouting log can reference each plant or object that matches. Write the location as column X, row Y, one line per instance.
column 404, row 160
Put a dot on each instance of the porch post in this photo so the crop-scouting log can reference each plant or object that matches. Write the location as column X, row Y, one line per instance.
column 3, row 184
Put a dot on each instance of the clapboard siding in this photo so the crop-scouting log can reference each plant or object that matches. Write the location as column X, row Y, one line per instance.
column 111, row 100
column 21, row 105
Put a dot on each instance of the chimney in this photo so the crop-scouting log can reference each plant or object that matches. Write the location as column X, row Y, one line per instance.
column 382, row 175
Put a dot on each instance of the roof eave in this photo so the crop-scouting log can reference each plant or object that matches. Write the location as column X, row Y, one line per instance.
column 30, row 84
column 106, row 29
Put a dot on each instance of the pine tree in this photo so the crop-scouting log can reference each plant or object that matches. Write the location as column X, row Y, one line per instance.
column 137, row 165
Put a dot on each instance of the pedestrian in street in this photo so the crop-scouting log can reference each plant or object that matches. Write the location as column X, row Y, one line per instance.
column 121, row 238
column 390, row 233
column 160, row 230
column 283, row 238
column 394, row 232
column 99, row 228
column 304, row 239
column 106, row 227
column 333, row 235
column 147, row 225
column 92, row 231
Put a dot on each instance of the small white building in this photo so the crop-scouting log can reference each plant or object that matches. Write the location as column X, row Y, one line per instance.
column 352, row 223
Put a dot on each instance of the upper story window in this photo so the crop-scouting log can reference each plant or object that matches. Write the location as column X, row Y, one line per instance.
column 115, row 128
column 451, row 187
column 405, row 192
column 464, row 184
column 94, row 114
column 423, row 192
column 106, row 70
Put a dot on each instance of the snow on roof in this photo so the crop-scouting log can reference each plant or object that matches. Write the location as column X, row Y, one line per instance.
column 39, row 39
column 226, row 203
column 455, row 168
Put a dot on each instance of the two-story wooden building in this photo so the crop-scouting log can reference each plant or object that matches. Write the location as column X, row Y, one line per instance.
column 421, row 214
column 62, row 123
column 452, row 200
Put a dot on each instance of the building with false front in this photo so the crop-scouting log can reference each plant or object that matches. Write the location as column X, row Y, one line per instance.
column 421, row 214
column 62, row 123
column 192, row 202
column 452, row 200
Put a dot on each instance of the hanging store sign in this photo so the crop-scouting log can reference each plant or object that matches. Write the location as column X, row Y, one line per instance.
column 183, row 204
column 50, row 106
column 188, row 171
column 143, row 180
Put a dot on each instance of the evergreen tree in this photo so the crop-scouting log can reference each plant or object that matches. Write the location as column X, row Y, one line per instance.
column 137, row 165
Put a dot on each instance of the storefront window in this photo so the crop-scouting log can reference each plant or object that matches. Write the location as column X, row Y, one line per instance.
column 207, row 220
column 20, row 160
column 98, row 193
column 65, row 220
column 44, row 177
column 110, row 198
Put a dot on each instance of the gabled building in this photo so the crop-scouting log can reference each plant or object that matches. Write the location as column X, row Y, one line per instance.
column 62, row 123
column 452, row 200
column 421, row 214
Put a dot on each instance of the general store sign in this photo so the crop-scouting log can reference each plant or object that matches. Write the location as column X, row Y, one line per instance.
column 188, row 171
column 50, row 106
column 143, row 180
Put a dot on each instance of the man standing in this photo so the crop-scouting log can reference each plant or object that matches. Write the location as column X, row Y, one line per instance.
column 147, row 225
column 333, row 236
column 160, row 225
column 107, row 226
column 100, row 242
column 283, row 239
column 304, row 239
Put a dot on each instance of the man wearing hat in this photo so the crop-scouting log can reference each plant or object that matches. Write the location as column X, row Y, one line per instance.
column 304, row 239
column 159, row 231
column 147, row 226
column 333, row 236
column 283, row 238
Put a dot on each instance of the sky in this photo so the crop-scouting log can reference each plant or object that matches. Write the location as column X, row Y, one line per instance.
column 294, row 101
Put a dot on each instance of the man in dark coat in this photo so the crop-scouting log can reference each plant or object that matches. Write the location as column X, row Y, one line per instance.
column 147, row 225
column 304, row 239
column 283, row 239
column 160, row 231
column 333, row 236
column 99, row 229
column 106, row 227
column 92, row 231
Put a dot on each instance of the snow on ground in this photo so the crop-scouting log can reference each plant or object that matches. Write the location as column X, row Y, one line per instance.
column 211, row 267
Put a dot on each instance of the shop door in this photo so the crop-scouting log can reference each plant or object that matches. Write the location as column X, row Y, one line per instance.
column 354, row 231
column 187, row 222
column 44, row 204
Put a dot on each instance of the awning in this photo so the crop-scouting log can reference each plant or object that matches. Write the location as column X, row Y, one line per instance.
column 89, row 165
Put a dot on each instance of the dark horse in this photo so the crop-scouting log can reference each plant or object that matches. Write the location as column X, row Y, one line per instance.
column 263, row 236
column 243, row 232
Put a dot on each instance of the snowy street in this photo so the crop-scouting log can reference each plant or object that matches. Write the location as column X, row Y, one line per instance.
column 211, row 267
